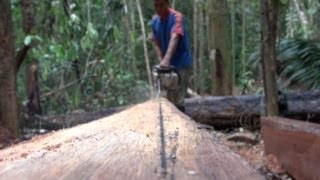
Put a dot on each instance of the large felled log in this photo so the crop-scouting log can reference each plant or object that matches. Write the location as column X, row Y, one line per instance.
column 68, row 120
column 295, row 143
column 224, row 111
column 127, row 145
column 234, row 110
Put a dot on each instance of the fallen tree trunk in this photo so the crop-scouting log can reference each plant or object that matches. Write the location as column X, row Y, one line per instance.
column 246, row 110
column 296, row 144
column 132, row 144
column 218, row 111
column 68, row 120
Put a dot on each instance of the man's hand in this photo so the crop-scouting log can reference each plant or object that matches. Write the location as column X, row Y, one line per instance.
column 165, row 63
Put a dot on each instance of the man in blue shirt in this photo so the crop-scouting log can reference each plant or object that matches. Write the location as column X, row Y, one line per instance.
column 172, row 47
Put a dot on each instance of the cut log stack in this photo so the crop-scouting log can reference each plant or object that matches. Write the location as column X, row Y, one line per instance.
column 127, row 145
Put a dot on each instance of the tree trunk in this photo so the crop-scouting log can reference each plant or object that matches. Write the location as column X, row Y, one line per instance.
column 128, row 145
column 28, row 23
column 219, row 47
column 226, row 111
column 201, row 49
column 173, row 4
column 28, row 15
column 291, row 24
column 132, row 15
column 129, row 39
column 195, row 45
column 233, row 37
column 88, row 6
column 33, row 90
column 21, row 55
column 316, row 22
column 146, row 56
column 243, row 47
column 8, row 100
column 268, row 20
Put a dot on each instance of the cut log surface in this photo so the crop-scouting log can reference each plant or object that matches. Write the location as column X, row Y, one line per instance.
column 127, row 145
column 296, row 145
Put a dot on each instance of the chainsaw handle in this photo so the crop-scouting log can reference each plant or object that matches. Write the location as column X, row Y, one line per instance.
column 168, row 69
column 164, row 69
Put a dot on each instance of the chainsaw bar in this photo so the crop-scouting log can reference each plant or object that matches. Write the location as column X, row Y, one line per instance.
column 163, row 143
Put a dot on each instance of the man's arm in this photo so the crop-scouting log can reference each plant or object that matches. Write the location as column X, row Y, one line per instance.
column 158, row 50
column 171, row 49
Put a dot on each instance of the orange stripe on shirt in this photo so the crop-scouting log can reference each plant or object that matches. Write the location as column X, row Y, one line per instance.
column 177, row 28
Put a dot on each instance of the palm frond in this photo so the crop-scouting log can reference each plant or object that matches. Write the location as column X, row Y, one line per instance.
column 298, row 63
column 301, row 63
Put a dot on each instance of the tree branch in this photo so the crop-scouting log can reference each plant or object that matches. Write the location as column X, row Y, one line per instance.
column 21, row 55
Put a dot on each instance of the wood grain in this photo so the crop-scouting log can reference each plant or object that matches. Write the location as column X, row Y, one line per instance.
column 126, row 145
column 296, row 144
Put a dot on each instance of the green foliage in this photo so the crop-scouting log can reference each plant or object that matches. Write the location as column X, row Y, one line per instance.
column 30, row 38
column 93, row 38
column 245, row 70
column 300, row 63
column 83, row 36
column 90, row 37
column 284, row 1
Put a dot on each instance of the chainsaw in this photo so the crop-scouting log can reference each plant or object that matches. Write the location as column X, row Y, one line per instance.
column 166, row 78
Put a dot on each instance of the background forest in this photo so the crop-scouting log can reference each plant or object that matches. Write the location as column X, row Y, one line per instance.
column 93, row 53
column 67, row 62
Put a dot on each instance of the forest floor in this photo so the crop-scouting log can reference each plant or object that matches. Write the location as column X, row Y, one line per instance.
column 6, row 138
column 252, row 152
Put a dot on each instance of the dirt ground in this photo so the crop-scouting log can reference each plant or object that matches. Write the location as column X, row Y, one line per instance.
column 268, row 165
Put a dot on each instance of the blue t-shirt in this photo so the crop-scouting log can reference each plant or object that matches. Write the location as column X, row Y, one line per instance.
column 162, row 29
